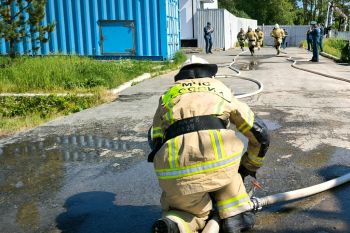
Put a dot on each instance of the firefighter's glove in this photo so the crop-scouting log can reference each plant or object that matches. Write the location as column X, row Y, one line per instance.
column 245, row 172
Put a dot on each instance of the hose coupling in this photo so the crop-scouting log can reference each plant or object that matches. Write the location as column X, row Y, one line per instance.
column 257, row 205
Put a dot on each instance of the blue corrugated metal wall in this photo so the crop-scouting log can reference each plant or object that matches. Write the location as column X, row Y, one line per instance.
column 78, row 31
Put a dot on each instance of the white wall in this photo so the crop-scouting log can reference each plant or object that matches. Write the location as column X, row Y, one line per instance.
column 213, row 5
column 186, row 19
column 226, row 27
column 341, row 35
column 232, row 26
column 186, row 24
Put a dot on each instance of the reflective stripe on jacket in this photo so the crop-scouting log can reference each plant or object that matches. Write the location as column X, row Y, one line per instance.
column 206, row 159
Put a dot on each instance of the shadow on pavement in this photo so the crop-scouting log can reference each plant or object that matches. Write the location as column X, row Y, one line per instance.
column 96, row 212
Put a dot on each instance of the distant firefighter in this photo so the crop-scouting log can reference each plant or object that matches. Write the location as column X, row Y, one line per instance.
column 252, row 39
column 241, row 38
column 260, row 41
column 278, row 34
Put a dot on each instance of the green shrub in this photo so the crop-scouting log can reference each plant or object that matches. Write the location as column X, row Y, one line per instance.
column 179, row 57
column 336, row 47
column 333, row 47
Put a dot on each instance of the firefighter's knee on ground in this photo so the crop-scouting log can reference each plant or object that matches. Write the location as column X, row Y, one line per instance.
column 238, row 223
column 165, row 225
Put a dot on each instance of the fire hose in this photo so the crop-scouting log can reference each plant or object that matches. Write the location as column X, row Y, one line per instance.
column 213, row 225
column 237, row 76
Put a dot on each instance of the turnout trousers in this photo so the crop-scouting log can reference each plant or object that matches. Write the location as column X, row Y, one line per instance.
column 191, row 212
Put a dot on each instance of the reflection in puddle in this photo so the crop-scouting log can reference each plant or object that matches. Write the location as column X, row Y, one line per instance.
column 73, row 148
column 32, row 172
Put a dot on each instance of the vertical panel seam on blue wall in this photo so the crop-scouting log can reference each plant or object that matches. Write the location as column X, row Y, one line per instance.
column 95, row 28
column 44, row 46
column 79, row 29
column 155, row 31
column 104, row 10
column 53, row 35
column 163, row 28
column 86, row 11
column 138, row 28
column 27, row 44
column 129, row 15
column 120, row 9
column 62, row 29
column 70, row 26
column 112, row 9
column 147, row 28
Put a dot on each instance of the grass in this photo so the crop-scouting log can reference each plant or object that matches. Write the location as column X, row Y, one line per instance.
column 71, row 73
column 335, row 47
column 9, row 125
column 63, row 74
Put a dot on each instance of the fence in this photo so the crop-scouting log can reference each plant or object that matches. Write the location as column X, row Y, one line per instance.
column 341, row 35
column 296, row 34
column 226, row 27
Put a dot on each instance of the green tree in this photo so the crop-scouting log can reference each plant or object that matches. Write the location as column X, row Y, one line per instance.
column 265, row 11
column 22, row 19
column 230, row 6
column 316, row 10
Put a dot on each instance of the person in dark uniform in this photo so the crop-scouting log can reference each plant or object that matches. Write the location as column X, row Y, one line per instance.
column 309, row 39
column 208, row 30
column 315, row 34
column 321, row 26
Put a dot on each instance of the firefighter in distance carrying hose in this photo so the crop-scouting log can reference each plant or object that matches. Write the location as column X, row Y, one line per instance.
column 198, row 160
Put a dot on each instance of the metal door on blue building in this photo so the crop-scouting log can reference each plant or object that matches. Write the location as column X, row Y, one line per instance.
column 117, row 37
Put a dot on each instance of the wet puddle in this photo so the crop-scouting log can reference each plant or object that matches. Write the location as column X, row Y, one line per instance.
column 33, row 173
column 289, row 168
column 252, row 65
column 136, row 97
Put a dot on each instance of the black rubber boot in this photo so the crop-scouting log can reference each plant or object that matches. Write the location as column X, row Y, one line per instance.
column 236, row 224
column 165, row 225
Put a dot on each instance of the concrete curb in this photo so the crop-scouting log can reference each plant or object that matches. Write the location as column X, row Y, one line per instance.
column 330, row 56
column 41, row 94
column 138, row 79
column 129, row 83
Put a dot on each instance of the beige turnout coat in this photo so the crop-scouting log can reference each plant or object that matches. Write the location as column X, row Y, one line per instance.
column 205, row 160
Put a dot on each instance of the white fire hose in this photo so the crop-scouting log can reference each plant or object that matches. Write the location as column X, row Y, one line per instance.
column 237, row 76
column 213, row 224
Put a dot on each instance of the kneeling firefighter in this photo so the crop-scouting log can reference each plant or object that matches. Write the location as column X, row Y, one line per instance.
column 197, row 159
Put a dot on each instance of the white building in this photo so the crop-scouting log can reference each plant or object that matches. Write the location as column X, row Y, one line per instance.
column 194, row 15
column 188, row 10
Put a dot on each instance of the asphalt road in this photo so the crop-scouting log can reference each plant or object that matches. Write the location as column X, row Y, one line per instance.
column 86, row 173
